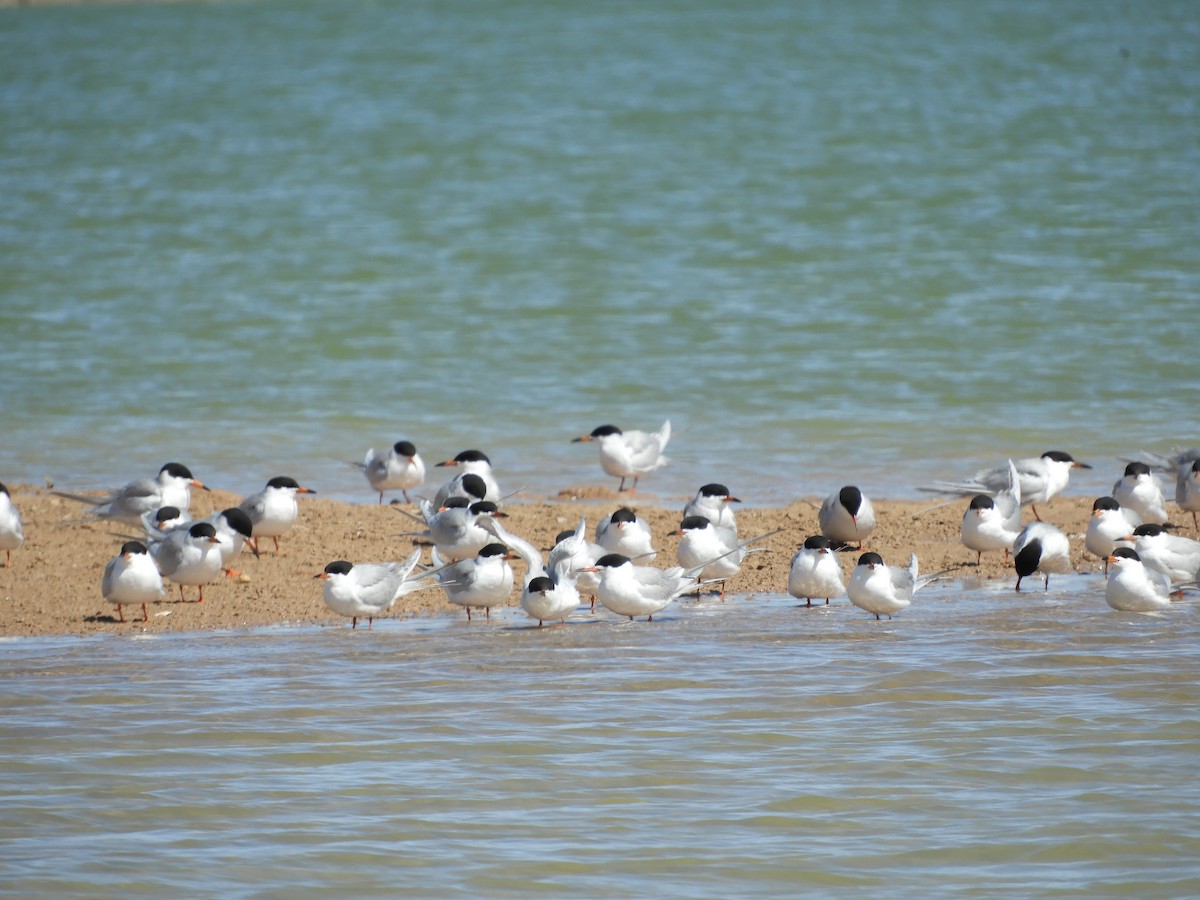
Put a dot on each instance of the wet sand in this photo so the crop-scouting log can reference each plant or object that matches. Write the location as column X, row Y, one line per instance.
column 53, row 586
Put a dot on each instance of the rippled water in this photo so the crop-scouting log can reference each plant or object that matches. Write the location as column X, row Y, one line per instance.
column 979, row 744
column 848, row 241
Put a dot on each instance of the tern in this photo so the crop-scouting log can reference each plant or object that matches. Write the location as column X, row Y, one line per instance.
column 189, row 555
column 882, row 589
column 171, row 487
column 712, row 501
column 985, row 528
column 815, row 571
column 158, row 522
column 1134, row 587
column 1184, row 464
column 234, row 529
column 993, row 522
column 624, row 533
column 132, row 577
column 847, row 516
column 484, row 581
column 472, row 462
column 1187, row 490
column 1040, row 477
column 274, row 509
column 578, row 553
column 629, row 454
column 1109, row 526
column 368, row 589
column 546, row 595
column 630, row 590
column 1041, row 548
column 1173, row 555
column 399, row 469
column 712, row 552
column 1138, row 490
column 12, row 535
column 457, row 529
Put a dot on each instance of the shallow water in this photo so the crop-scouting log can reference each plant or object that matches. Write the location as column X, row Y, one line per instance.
column 845, row 242
column 979, row 743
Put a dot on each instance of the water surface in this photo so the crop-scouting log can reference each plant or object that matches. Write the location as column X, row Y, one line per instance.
column 842, row 242
column 978, row 744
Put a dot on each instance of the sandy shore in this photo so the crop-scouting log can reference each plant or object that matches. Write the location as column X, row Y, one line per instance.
column 53, row 586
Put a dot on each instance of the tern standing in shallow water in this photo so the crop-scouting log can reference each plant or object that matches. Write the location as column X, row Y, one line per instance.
column 1042, row 549
column 629, row 454
column 630, row 590
column 815, row 571
column 481, row 582
column 545, row 596
column 576, row 553
column 1174, row 555
column 884, row 590
column 1133, row 587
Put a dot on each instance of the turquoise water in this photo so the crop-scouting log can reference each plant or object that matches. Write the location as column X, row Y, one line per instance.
column 977, row 745
column 873, row 242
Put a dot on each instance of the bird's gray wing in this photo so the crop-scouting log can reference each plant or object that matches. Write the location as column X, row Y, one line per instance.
column 110, row 571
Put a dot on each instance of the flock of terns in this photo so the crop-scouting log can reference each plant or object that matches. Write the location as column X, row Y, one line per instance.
column 1146, row 564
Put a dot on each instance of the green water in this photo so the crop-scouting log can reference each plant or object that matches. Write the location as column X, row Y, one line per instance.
column 880, row 241
column 977, row 745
